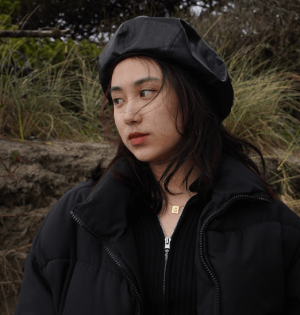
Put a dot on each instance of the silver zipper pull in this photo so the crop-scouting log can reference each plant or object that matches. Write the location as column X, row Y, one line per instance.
column 167, row 242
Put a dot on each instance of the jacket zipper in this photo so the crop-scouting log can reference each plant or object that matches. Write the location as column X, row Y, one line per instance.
column 167, row 250
column 204, row 225
column 112, row 256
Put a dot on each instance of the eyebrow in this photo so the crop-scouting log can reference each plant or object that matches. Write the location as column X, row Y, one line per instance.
column 135, row 83
column 141, row 81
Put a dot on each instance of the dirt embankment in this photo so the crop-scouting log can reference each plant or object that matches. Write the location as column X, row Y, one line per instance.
column 33, row 176
column 30, row 184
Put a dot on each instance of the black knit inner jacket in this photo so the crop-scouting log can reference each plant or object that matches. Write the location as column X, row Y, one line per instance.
column 170, row 288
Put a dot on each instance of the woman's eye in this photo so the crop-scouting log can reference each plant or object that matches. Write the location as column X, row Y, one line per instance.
column 117, row 101
column 145, row 93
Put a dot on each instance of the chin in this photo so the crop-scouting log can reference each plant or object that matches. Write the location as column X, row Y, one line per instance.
column 147, row 157
column 143, row 154
column 150, row 154
column 143, row 158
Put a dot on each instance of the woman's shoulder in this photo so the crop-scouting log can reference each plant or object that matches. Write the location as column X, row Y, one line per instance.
column 285, row 216
column 290, row 235
column 65, row 204
column 57, row 231
column 286, row 224
column 277, row 212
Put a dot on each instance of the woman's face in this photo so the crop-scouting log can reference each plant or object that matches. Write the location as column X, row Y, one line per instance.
column 145, row 119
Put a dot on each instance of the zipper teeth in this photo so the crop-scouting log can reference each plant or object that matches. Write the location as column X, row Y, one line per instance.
column 208, row 219
column 167, row 253
column 164, row 284
column 111, row 255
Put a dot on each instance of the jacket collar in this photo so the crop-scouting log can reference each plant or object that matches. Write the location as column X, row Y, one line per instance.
column 233, row 179
column 105, row 210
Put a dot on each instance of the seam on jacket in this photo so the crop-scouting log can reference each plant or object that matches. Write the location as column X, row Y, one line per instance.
column 85, row 263
column 34, row 258
column 240, row 228
column 181, row 30
column 293, row 227
column 294, row 260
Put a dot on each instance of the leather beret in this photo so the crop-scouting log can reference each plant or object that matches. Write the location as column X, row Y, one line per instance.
column 175, row 41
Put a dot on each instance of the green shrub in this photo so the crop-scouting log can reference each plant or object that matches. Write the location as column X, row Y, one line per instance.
column 8, row 7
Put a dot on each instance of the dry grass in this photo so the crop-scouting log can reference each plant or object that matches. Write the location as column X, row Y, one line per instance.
column 266, row 109
column 11, row 274
column 57, row 101
column 266, row 112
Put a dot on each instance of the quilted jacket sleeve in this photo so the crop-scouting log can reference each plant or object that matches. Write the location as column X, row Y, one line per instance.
column 36, row 297
column 291, row 250
column 290, row 231
column 39, row 291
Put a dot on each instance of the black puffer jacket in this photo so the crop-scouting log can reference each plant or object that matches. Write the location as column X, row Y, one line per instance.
column 84, row 261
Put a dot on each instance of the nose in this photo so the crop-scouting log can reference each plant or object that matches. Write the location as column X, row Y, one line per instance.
column 132, row 113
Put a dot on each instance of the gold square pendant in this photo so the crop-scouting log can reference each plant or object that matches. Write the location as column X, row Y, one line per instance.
column 175, row 209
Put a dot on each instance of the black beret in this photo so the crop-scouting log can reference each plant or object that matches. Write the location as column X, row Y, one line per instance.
column 175, row 41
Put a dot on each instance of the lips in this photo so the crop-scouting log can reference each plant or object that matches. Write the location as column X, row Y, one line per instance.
column 138, row 138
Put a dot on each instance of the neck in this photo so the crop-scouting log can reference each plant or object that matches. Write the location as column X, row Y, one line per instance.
column 175, row 184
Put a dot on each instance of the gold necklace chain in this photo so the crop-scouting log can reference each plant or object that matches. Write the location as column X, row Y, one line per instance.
column 175, row 209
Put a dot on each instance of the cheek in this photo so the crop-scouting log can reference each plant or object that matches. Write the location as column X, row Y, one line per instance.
column 118, row 123
column 172, row 112
column 121, row 127
column 166, row 121
column 117, row 119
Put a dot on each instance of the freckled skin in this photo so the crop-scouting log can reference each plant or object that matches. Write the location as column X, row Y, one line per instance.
column 135, row 83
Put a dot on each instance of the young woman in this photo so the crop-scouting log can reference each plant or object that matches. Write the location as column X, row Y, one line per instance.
column 181, row 221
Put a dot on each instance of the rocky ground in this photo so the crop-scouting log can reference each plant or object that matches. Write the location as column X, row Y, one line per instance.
column 33, row 175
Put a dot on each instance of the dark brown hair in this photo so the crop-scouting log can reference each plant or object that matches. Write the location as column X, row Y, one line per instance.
column 201, row 129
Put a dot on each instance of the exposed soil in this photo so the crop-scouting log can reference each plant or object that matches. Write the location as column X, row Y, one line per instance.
column 46, row 171
column 31, row 185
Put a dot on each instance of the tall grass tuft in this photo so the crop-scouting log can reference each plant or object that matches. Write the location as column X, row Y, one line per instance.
column 54, row 101
column 266, row 112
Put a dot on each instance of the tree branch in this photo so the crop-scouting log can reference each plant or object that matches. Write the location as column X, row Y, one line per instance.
column 54, row 33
